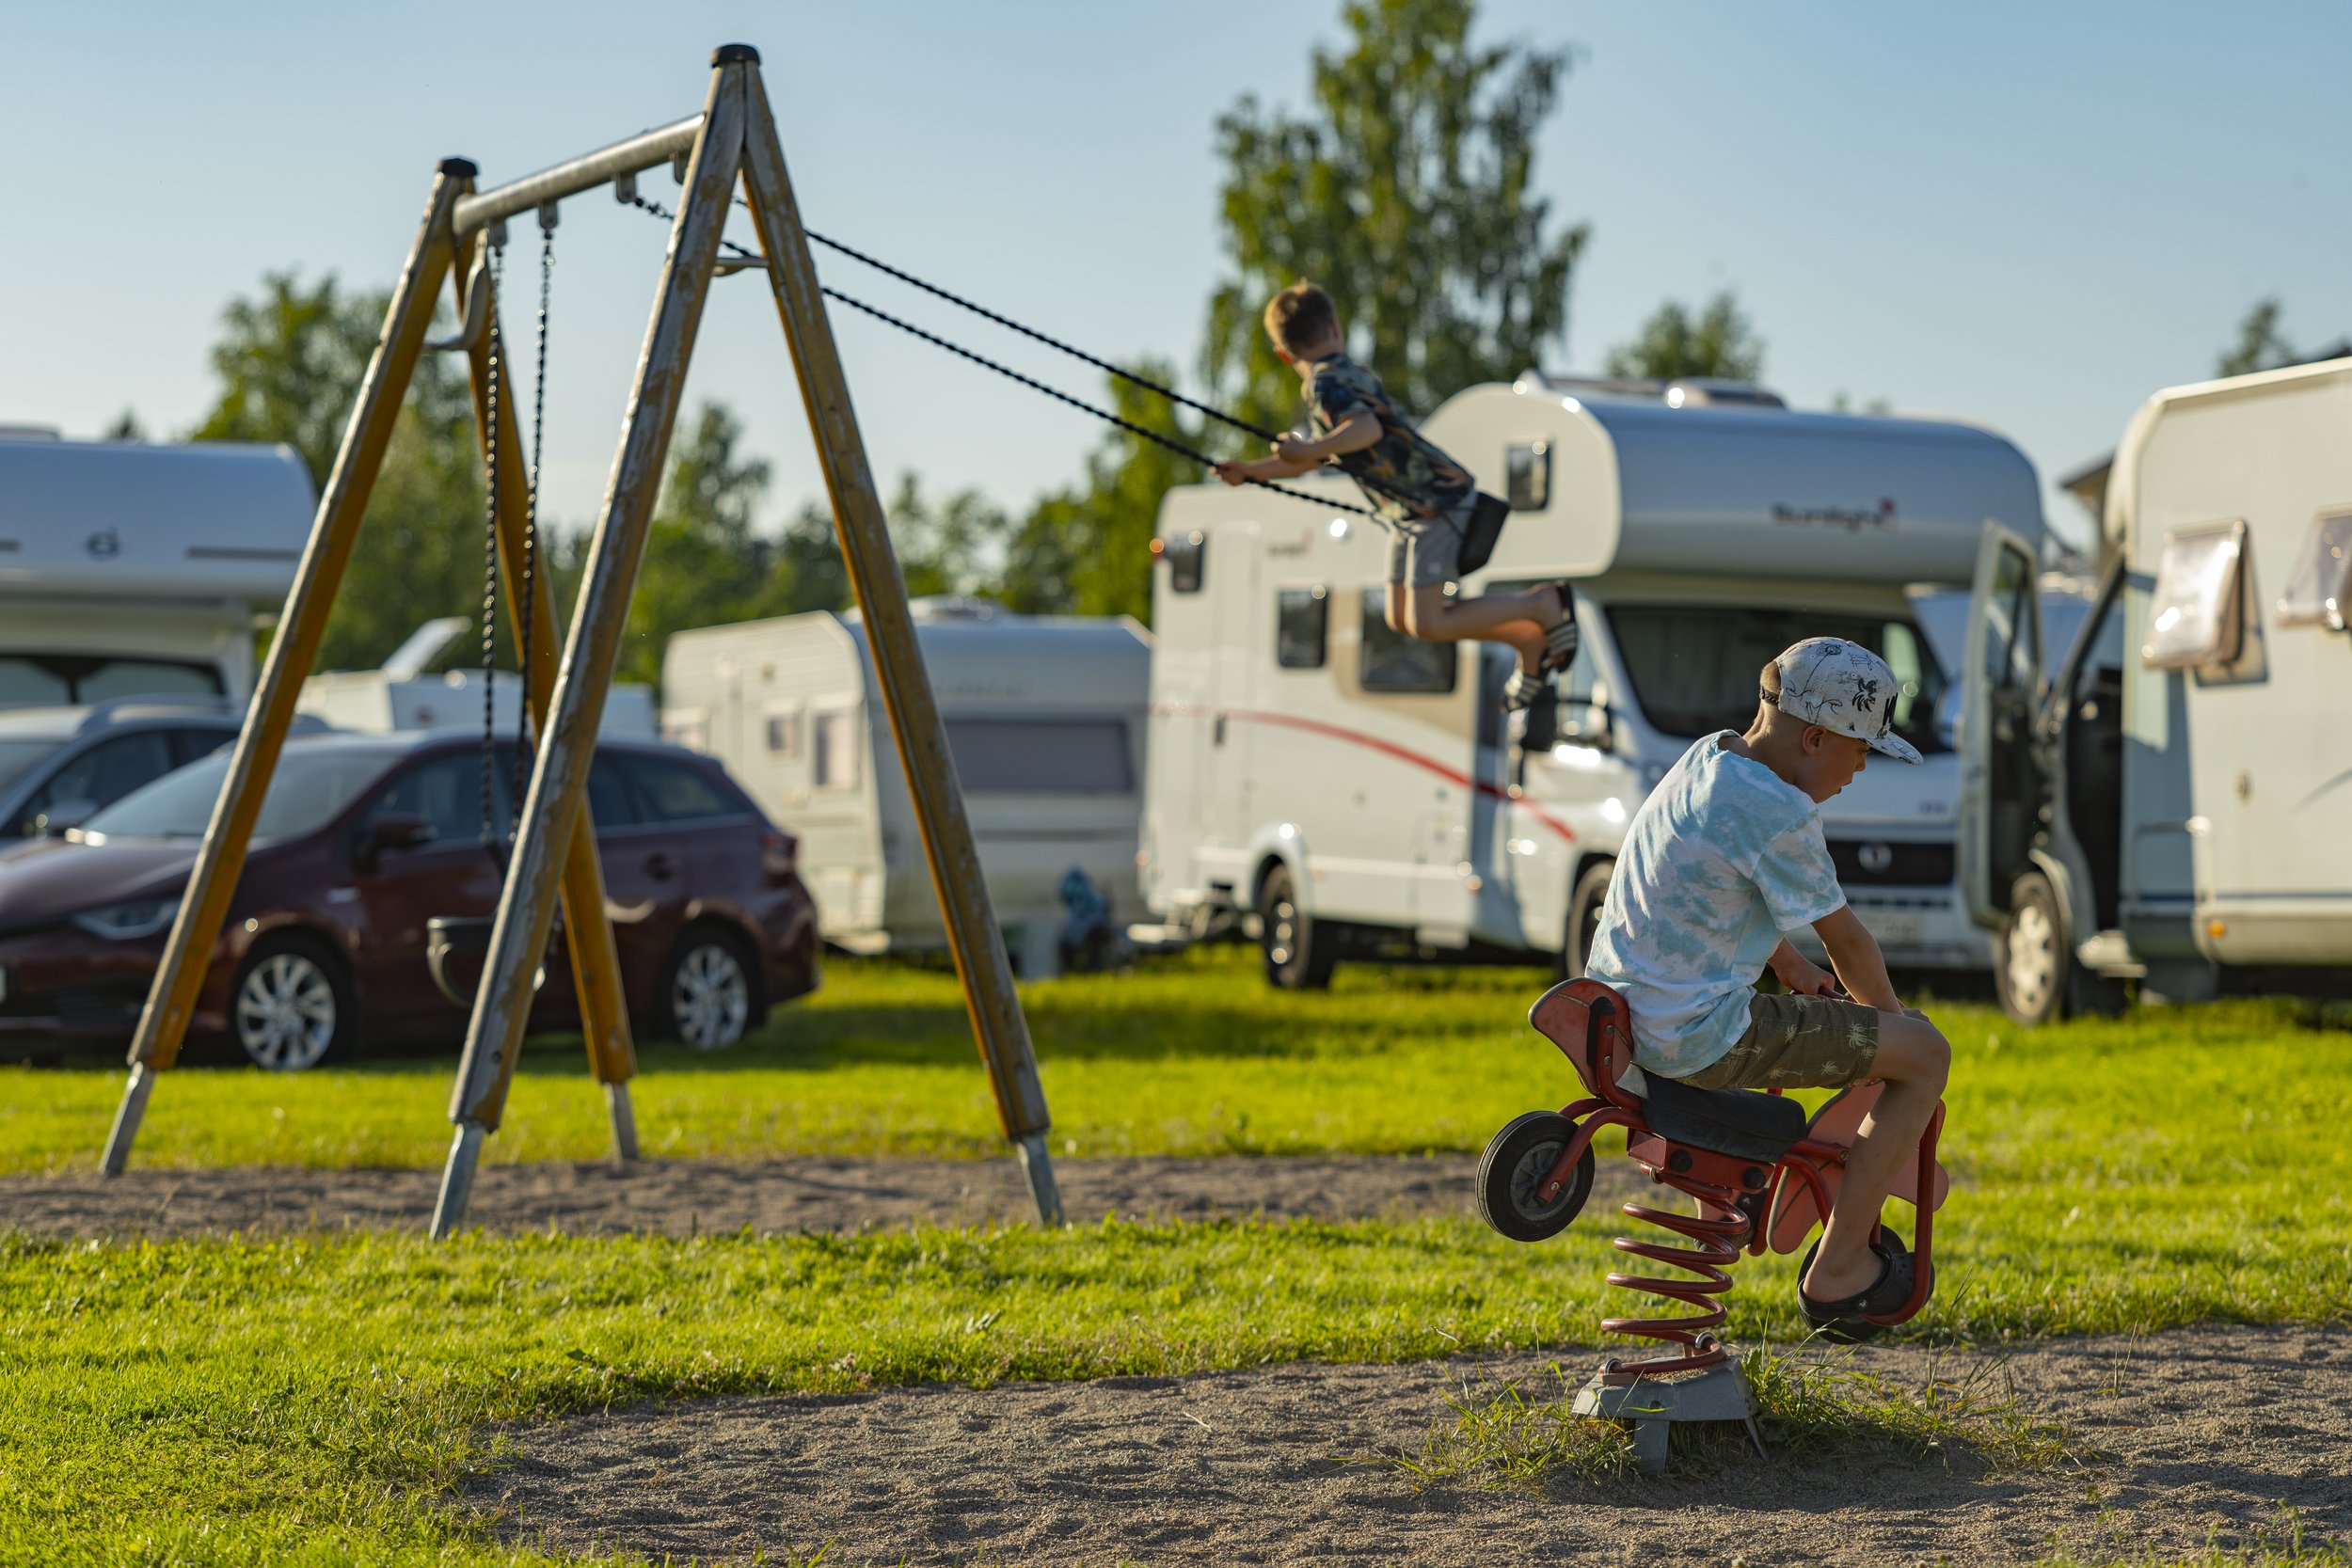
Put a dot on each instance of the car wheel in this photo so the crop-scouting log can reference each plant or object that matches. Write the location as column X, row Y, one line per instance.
column 292, row 1006
column 1296, row 957
column 2034, row 966
column 1583, row 921
column 709, row 991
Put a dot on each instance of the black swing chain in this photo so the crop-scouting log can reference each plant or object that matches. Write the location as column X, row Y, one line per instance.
column 526, row 737
column 1007, row 371
column 495, row 261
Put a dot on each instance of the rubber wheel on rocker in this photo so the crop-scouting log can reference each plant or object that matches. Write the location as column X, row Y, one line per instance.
column 1514, row 1164
column 1297, row 956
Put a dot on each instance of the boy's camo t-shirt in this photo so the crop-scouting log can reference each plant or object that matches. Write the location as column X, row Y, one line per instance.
column 1722, row 859
column 1401, row 460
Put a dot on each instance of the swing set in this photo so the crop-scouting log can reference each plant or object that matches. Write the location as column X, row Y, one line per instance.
column 553, row 859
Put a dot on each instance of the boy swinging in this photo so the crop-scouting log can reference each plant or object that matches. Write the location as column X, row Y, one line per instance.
column 1724, row 856
column 1422, row 495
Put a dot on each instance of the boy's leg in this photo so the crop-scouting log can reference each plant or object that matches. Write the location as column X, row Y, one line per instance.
column 1913, row 1061
column 1400, row 615
column 1518, row 619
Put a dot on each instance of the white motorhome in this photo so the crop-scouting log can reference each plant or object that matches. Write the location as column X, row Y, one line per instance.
column 1045, row 718
column 400, row 694
column 129, row 570
column 1346, row 789
column 2169, row 808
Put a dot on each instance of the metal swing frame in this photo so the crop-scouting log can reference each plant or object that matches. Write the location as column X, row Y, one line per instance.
column 731, row 140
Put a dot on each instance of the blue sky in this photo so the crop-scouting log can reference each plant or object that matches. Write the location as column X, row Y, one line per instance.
column 2029, row 215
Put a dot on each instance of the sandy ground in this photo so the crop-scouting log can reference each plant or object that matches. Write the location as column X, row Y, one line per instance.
column 679, row 1198
column 2202, row 1435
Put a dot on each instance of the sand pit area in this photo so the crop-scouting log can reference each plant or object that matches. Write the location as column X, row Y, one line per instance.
column 2203, row 1436
column 682, row 1197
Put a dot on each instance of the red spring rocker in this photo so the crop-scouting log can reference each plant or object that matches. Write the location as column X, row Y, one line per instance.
column 1760, row 1172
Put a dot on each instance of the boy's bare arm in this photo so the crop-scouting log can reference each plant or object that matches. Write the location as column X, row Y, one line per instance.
column 1801, row 975
column 1854, row 954
column 1293, row 456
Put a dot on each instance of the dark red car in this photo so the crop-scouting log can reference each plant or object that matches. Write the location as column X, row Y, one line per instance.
column 362, row 840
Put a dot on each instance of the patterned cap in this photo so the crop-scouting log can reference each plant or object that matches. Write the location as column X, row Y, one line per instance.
column 1845, row 688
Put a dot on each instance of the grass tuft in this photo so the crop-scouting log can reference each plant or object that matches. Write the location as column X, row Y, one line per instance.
column 1809, row 1409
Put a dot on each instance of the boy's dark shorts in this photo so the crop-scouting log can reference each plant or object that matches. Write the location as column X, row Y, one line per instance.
column 1797, row 1042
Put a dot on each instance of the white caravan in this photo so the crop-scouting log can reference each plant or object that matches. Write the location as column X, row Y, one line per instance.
column 129, row 570
column 2169, row 807
column 400, row 695
column 1344, row 789
column 1045, row 719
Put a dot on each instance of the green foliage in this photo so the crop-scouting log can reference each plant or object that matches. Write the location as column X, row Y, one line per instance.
column 1719, row 340
column 2260, row 344
column 290, row 363
column 1409, row 195
column 1087, row 550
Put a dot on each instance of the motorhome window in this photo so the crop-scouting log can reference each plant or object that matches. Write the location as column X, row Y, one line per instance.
column 2319, row 590
column 308, row 789
column 2193, row 616
column 783, row 732
column 41, row 680
column 1693, row 668
column 1187, row 557
column 1528, row 468
column 674, row 791
column 1041, row 757
column 834, row 738
column 1390, row 661
column 1301, row 618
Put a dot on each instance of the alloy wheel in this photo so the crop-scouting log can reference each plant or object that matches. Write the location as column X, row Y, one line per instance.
column 286, row 1012
column 711, row 999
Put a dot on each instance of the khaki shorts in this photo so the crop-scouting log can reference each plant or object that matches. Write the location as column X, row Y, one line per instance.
column 1797, row 1042
column 1426, row 552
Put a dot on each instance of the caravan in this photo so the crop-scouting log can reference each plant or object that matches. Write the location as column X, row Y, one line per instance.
column 1344, row 789
column 1044, row 717
column 2169, row 808
column 129, row 570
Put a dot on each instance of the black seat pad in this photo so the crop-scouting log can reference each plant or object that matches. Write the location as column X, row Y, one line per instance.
column 1747, row 1124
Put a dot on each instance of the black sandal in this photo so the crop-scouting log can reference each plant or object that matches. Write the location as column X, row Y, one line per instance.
column 1521, row 691
column 1561, row 638
column 1847, row 1320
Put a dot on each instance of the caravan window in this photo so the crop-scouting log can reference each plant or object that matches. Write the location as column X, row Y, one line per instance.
column 2319, row 590
column 784, row 731
column 1041, row 757
column 50, row 680
column 1187, row 559
column 1528, row 468
column 1390, row 661
column 1301, row 618
column 832, row 734
column 2193, row 616
column 1693, row 668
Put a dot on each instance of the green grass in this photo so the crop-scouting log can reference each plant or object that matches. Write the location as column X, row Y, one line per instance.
column 312, row 1399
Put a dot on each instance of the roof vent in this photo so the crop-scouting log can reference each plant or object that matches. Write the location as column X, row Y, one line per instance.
column 1692, row 391
column 30, row 432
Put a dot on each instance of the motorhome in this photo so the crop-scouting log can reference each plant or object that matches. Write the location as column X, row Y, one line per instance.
column 402, row 694
column 2166, row 810
column 1341, row 788
column 129, row 570
column 1045, row 719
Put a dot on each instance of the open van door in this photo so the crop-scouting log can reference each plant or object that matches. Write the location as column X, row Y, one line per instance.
column 2001, row 786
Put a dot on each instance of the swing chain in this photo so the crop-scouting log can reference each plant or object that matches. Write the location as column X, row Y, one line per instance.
column 1104, row 414
column 495, row 261
column 526, row 736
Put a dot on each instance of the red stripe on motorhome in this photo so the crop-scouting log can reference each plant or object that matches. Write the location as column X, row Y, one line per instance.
column 1386, row 748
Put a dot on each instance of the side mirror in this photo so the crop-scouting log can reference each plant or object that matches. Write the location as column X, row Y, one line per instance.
column 1586, row 725
column 393, row 830
column 60, row 816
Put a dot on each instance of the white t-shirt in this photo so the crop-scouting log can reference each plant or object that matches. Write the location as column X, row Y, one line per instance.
column 1722, row 859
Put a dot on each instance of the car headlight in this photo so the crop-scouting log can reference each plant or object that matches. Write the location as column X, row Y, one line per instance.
column 126, row 922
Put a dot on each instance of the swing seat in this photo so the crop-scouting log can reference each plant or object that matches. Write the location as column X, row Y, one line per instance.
column 455, row 948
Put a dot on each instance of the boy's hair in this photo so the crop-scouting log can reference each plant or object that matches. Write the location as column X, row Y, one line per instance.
column 1299, row 316
column 1768, row 691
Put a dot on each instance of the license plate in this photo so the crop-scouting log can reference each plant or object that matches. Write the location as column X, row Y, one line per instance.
column 1894, row 931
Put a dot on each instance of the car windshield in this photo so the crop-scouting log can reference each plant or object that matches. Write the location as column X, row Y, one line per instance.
column 1694, row 667
column 308, row 789
column 18, row 757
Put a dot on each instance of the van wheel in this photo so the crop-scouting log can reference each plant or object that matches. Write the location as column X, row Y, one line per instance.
column 1583, row 922
column 709, row 995
column 291, row 1006
column 2034, row 967
column 1296, row 958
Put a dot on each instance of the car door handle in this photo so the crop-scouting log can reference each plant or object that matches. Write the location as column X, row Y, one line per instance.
column 662, row 866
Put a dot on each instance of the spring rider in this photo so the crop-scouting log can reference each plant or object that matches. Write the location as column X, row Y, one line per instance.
column 1760, row 1173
